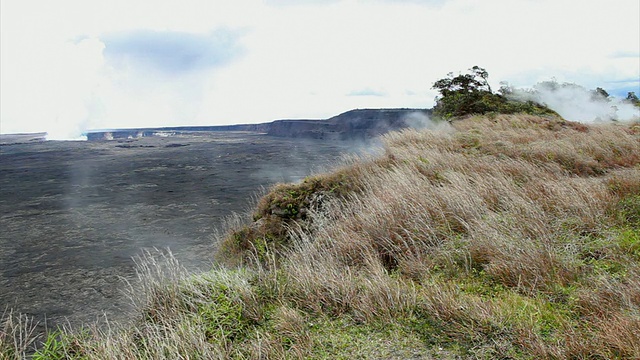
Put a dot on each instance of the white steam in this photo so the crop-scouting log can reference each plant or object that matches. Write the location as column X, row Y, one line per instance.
column 131, row 79
column 419, row 120
column 56, row 96
column 574, row 102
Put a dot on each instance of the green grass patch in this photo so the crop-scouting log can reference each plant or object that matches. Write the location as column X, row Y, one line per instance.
column 629, row 242
column 344, row 338
column 628, row 211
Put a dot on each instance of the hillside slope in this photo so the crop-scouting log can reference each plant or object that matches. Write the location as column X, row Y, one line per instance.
column 498, row 237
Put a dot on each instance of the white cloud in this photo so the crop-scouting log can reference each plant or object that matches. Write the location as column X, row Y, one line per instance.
column 367, row 92
column 79, row 64
column 170, row 52
column 300, row 2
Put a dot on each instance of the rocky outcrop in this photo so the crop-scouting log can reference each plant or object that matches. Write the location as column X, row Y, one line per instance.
column 354, row 124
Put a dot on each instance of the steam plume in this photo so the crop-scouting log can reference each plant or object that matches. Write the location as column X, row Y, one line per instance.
column 574, row 102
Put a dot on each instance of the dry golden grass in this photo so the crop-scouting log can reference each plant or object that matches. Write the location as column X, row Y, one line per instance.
column 17, row 335
column 514, row 203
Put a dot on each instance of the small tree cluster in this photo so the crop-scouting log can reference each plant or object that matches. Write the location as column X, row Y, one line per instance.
column 632, row 98
column 470, row 93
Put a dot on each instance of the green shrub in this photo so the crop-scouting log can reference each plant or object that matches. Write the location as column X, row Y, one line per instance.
column 471, row 94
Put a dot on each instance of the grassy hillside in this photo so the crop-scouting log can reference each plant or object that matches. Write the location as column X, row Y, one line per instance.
column 510, row 236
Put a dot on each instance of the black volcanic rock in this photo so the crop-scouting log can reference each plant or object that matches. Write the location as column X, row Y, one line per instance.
column 355, row 124
column 74, row 213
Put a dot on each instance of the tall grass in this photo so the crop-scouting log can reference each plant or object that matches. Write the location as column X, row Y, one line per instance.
column 511, row 236
column 17, row 335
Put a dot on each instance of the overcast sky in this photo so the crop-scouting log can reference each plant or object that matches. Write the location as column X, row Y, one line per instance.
column 68, row 66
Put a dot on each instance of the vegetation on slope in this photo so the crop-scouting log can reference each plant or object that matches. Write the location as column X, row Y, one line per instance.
column 471, row 94
column 510, row 236
column 633, row 99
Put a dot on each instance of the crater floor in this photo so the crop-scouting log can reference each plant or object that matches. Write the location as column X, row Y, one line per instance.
column 73, row 214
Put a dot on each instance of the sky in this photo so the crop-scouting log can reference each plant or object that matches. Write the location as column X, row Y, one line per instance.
column 68, row 66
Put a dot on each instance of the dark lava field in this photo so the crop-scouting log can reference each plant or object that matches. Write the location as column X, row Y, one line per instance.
column 74, row 214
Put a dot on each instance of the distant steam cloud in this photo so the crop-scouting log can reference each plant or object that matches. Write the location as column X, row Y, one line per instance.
column 574, row 102
column 138, row 78
column 420, row 120
column 171, row 52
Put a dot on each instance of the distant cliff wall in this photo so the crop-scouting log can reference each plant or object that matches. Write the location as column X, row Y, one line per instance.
column 354, row 124
column 97, row 135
